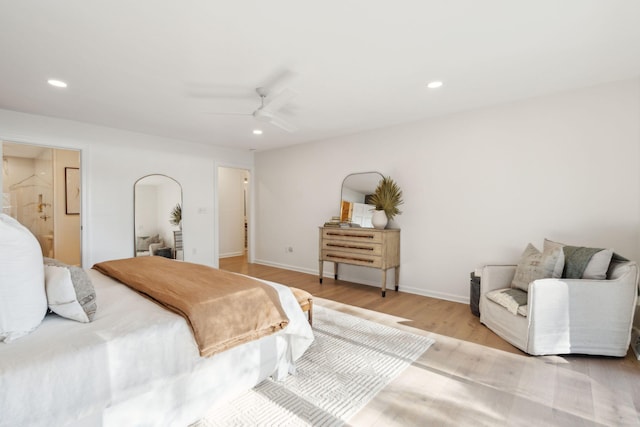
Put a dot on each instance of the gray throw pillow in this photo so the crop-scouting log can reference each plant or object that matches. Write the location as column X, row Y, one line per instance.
column 597, row 267
column 534, row 265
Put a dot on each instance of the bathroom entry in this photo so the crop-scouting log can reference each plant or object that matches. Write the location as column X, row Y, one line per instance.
column 233, row 216
column 41, row 189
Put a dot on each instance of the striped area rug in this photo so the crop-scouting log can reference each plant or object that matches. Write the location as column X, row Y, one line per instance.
column 350, row 361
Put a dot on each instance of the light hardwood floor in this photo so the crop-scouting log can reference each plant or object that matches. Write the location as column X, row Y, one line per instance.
column 471, row 376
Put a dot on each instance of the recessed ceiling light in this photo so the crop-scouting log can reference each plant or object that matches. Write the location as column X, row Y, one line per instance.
column 434, row 85
column 56, row 83
column 257, row 132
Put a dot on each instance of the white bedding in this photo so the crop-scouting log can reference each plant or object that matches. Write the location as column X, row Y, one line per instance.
column 135, row 364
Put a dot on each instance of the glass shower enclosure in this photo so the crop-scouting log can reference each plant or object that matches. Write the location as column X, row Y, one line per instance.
column 27, row 190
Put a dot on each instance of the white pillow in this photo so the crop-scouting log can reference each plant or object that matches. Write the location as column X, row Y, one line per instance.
column 23, row 302
column 70, row 293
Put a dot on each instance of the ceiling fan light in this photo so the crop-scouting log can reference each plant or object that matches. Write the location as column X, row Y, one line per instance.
column 57, row 83
column 257, row 131
column 434, row 84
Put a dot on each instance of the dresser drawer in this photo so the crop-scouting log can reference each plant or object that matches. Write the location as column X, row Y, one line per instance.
column 352, row 258
column 354, row 247
column 351, row 234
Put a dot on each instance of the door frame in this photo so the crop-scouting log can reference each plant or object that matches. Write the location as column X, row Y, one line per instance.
column 250, row 210
column 82, row 161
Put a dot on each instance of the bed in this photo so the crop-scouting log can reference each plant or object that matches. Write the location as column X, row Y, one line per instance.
column 136, row 363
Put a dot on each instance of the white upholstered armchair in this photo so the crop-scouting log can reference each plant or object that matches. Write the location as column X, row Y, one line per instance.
column 564, row 316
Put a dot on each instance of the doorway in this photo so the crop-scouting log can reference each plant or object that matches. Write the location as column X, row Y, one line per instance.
column 233, row 211
column 41, row 189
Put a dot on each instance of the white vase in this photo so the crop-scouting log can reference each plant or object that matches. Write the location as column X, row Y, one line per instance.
column 379, row 219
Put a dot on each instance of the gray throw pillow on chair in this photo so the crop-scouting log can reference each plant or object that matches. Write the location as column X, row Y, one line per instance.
column 534, row 265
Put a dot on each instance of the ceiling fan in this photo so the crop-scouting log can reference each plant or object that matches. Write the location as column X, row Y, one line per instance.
column 271, row 102
column 268, row 109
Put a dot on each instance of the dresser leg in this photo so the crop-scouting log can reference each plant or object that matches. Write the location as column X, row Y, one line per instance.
column 335, row 270
column 384, row 283
column 320, row 270
column 397, row 277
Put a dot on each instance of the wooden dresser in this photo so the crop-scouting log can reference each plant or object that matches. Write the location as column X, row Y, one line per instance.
column 368, row 247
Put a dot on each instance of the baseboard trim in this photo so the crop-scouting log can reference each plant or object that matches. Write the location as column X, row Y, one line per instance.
column 286, row 266
column 231, row 254
column 390, row 287
column 438, row 295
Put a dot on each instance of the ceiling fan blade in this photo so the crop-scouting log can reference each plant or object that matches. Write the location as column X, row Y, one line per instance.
column 213, row 113
column 276, row 102
column 283, row 124
column 264, row 115
column 273, row 97
column 207, row 90
column 277, row 81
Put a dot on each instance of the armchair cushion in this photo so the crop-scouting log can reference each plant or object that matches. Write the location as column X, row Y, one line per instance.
column 510, row 298
column 535, row 265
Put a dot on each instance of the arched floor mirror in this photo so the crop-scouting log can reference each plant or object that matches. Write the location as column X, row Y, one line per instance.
column 158, row 217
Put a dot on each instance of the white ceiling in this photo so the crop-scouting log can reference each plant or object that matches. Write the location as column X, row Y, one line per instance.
column 357, row 65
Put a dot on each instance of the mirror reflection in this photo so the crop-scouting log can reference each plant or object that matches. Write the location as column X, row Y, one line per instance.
column 158, row 217
column 355, row 193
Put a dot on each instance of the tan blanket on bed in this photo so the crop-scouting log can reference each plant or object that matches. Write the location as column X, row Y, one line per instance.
column 224, row 309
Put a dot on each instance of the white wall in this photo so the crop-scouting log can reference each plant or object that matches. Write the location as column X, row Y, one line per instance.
column 146, row 210
column 112, row 160
column 478, row 186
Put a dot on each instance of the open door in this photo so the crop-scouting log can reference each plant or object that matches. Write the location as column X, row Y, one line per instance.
column 41, row 188
column 233, row 212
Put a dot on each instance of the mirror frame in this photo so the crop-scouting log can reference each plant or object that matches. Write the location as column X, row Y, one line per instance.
column 135, row 231
column 377, row 176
